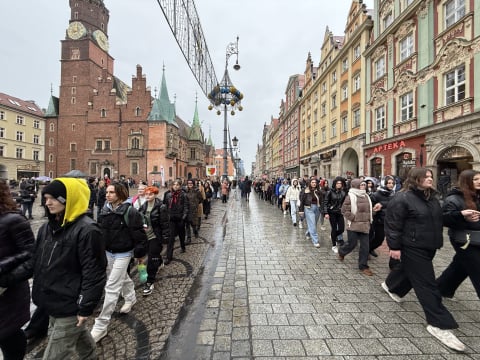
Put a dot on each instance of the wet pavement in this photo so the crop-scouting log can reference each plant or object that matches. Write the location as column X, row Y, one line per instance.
column 253, row 287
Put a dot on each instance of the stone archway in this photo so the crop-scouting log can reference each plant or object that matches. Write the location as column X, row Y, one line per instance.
column 349, row 163
column 452, row 160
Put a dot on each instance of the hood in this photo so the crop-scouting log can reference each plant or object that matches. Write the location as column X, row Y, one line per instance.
column 78, row 196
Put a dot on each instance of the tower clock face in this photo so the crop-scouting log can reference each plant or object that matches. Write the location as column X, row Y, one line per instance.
column 101, row 39
column 76, row 30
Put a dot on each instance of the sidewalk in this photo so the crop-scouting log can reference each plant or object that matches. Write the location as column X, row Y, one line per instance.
column 275, row 296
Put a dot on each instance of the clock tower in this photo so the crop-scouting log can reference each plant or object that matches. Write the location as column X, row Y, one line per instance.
column 86, row 71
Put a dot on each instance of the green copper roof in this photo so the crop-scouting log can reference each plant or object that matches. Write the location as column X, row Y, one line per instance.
column 52, row 110
column 209, row 141
column 196, row 129
column 163, row 109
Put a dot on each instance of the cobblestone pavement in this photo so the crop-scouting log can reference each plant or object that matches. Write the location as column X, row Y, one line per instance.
column 253, row 287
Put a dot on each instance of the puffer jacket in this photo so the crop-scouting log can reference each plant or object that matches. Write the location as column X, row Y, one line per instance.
column 360, row 221
column 452, row 213
column 16, row 247
column 293, row 193
column 382, row 196
column 123, row 230
column 159, row 220
column 413, row 220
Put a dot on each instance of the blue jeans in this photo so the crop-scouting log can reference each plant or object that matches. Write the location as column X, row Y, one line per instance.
column 312, row 214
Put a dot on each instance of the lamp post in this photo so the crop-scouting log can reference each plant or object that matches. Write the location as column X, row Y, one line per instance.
column 234, row 155
column 225, row 97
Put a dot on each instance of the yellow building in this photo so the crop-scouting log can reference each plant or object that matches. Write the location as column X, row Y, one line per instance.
column 22, row 133
column 332, row 124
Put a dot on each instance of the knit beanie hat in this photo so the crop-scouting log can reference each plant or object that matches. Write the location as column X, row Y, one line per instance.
column 356, row 183
column 57, row 190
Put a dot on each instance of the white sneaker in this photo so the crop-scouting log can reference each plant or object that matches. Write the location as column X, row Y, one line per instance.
column 307, row 235
column 322, row 228
column 317, row 245
column 394, row 296
column 335, row 249
column 285, row 212
column 446, row 337
column 125, row 309
column 300, row 225
column 98, row 335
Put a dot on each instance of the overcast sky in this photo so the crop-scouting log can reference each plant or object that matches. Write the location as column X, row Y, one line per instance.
column 275, row 38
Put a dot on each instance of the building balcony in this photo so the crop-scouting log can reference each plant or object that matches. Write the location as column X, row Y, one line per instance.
column 135, row 152
column 171, row 152
column 452, row 111
column 405, row 127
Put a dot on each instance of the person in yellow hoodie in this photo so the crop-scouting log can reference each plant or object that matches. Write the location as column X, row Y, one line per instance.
column 69, row 269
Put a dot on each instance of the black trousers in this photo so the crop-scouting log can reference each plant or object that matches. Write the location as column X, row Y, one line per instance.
column 377, row 235
column 154, row 259
column 38, row 325
column 176, row 228
column 14, row 345
column 416, row 271
column 337, row 224
column 465, row 263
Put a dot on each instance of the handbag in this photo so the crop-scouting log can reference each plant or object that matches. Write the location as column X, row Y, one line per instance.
column 466, row 238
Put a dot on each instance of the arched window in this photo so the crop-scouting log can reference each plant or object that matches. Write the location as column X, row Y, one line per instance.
column 138, row 111
column 103, row 113
column 50, row 158
column 52, row 127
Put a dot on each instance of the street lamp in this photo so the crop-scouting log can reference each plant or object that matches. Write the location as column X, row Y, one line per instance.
column 235, row 156
column 226, row 97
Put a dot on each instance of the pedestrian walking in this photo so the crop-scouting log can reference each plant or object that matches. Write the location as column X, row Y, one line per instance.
column 462, row 217
column 310, row 205
column 380, row 200
column 177, row 203
column 68, row 269
column 332, row 207
column 357, row 210
column 195, row 199
column 292, row 197
column 157, row 223
column 414, row 232
column 16, row 247
column 124, row 236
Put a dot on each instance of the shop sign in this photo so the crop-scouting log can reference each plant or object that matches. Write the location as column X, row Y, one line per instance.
column 389, row 146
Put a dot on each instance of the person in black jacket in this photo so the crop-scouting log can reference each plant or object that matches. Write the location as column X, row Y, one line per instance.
column 414, row 231
column 461, row 214
column 68, row 269
column 178, row 206
column 380, row 199
column 124, row 236
column 332, row 208
column 158, row 232
column 16, row 247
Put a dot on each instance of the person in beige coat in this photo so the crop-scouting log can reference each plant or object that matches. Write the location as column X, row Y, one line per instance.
column 357, row 210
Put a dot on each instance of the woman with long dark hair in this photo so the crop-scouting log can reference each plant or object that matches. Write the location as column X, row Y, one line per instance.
column 16, row 246
column 414, row 231
column 461, row 215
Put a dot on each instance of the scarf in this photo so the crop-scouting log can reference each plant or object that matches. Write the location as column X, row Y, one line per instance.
column 175, row 196
column 354, row 194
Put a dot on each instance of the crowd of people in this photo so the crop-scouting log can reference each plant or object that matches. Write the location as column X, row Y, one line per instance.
column 409, row 216
column 95, row 231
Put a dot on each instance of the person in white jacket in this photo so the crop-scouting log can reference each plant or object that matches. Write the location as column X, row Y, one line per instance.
column 292, row 197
